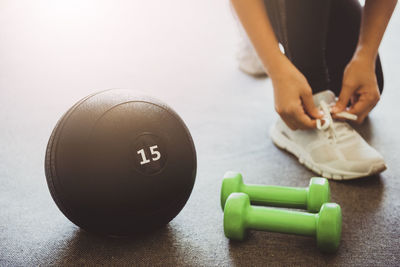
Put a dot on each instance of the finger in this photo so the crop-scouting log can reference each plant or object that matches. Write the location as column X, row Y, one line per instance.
column 344, row 98
column 303, row 121
column 289, row 122
column 361, row 118
column 354, row 99
column 309, row 106
column 361, row 108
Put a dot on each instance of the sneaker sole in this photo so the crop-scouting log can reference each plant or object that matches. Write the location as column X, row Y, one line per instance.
column 254, row 73
column 284, row 143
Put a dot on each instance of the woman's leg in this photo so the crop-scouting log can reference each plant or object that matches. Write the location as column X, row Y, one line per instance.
column 301, row 27
column 343, row 31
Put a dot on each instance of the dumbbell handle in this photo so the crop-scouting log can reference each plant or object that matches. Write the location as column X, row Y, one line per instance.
column 281, row 221
column 272, row 195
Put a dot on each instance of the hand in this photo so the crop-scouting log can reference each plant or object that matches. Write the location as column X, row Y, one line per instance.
column 360, row 87
column 293, row 97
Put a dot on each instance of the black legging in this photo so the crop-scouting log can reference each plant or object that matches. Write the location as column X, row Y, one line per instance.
column 319, row 38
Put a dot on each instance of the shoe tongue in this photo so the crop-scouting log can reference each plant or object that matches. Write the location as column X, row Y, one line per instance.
column 327, row 95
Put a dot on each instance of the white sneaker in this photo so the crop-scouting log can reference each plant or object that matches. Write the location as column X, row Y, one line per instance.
column 249, row 62
column 334, row 150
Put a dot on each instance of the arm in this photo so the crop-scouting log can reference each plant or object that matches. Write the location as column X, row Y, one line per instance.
column 376, row 16
column 292, row 93
column 359, row 79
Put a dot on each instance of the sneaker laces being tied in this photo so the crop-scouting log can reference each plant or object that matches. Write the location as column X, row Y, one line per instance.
column 338, row 131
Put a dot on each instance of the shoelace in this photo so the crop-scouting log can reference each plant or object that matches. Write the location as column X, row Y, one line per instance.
column 334, row 132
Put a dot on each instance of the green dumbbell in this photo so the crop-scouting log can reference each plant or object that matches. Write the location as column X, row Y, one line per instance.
column 310, row 198
column 325, row 225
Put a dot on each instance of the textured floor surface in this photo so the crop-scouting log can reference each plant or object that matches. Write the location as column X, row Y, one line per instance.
column 52, row 53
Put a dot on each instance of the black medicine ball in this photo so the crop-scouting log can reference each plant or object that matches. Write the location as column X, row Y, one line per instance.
column 119, row 163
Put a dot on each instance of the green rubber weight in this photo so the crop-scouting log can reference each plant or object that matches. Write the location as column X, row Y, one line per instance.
column 239, row 216
column 310, row 198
